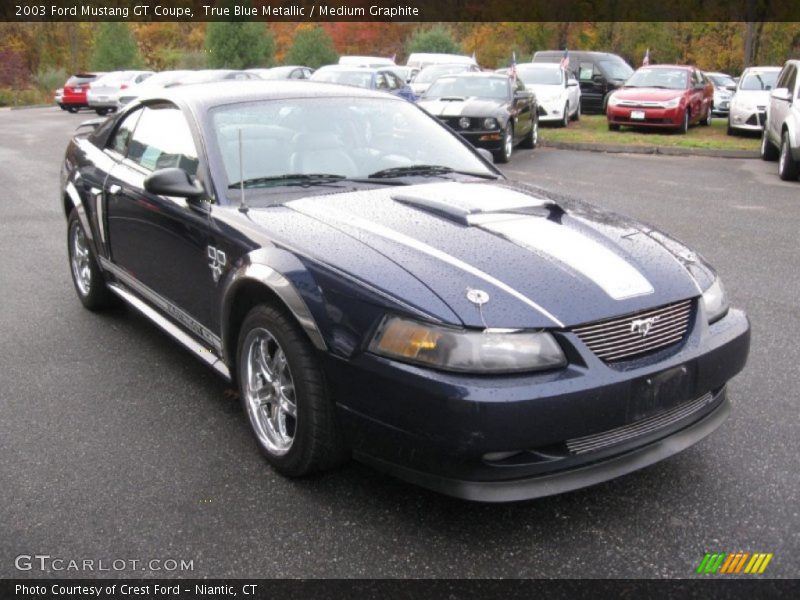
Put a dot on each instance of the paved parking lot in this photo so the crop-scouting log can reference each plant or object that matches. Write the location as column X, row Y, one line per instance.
column 116, row 444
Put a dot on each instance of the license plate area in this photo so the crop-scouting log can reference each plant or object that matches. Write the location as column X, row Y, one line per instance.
column 638, row 115
column 661, row 391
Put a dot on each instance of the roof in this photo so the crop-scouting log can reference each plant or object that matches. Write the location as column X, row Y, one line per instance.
column 207, row 95
column 684, row 67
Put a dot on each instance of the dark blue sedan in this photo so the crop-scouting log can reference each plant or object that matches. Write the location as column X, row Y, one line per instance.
column 382, row 78
column 377, row 289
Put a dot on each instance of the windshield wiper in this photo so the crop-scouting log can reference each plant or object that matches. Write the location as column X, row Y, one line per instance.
column 425, row 170
column 291, row 179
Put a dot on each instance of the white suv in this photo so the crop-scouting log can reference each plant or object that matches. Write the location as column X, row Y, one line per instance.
column 781, row 139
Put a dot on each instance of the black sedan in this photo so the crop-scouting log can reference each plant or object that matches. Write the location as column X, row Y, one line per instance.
column 490, row 110
column 377, row 289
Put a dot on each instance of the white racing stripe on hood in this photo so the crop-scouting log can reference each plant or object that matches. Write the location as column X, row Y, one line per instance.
column 311, row 209
column 615, row 276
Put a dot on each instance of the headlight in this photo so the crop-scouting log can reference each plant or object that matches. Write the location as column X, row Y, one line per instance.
column 463, row 122
column 742, row 105
column 715, row 301
column 489, row 123
column 612, row 101
column 464, row 350
column 672, row 103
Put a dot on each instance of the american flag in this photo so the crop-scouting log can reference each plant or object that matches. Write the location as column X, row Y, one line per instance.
column 512, row 72
column 393, row 57
column 565, row 60
column 646, row 59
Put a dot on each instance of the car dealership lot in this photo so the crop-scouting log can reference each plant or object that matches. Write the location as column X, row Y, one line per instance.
column 117, row 444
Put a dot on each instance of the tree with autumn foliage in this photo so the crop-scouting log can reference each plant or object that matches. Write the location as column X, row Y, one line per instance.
column 436, row 39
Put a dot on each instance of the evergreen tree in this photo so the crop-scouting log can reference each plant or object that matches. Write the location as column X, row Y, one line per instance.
column 312, row 48
column 435, row 39
column 239, row 45
column 114, row 48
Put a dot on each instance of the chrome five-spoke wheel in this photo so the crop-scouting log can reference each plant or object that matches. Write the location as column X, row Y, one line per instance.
column 79, row 259
column 270, row 393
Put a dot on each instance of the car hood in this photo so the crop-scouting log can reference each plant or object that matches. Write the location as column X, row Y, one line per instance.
column 545, row 91
column 542, row 263
column 419, row 88
column 755, row 96
column 471, row 107
column 651, row 94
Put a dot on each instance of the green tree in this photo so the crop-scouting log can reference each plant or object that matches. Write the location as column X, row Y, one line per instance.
column 312, row 48
column 115, row 48
column 436, row 39
column 239, row 45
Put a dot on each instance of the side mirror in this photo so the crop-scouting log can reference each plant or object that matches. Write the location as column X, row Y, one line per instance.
column 782, row 94
column 572, row 82
column 486, row 155
column 174, row 182
column 730, row 87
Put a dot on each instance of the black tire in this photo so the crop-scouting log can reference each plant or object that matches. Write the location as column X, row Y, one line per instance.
column 577, row 115
column 90, row 285
column 707, row 118
column 504, row 154
column 685, row 123
column 102, row 111
column 768, row 150
column 532, row 139
column 565, row 121
column 613, row 127
column 316, row 443
column 731, row 130
column 73, row 109
column 787, row 166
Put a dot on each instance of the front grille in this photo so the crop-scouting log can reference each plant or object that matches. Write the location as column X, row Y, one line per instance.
column 640, row 333
column 640, row 104
column 618, row 435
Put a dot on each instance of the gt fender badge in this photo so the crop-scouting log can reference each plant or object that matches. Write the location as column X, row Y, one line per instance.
column 216, row 262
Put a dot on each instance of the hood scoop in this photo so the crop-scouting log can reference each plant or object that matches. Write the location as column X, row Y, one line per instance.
column 473, row 203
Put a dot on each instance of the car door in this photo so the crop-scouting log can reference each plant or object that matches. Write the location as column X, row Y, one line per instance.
column 591, row 82
column 573, row 91
column 160, row 243
column 778, row 108
column 522, row 101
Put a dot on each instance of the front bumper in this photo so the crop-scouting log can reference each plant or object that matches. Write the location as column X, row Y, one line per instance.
column 668, row 118
column 552, row 110
column 489, row 139
column 752, row 119
column 102, row 101
column 498, row 439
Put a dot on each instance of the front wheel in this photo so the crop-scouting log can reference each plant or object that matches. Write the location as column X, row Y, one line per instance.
column 72, row 109
column 708, row 118
column 86, row 275
column 768, row 151
column 577, row 115
column 685, row 123
column 283, row 392
column 613, row 127
column 787, row 167
column 565, row 121
column 532, row 139
column 504, row 154
column 102, row 112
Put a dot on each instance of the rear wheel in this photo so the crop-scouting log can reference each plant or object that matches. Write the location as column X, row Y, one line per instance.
column 613, row 127
column 787, row 167
column 707, row 119
column 284, row 395
column 102, row 111
column 768, row 151
column 86, row 275
column 72, row 109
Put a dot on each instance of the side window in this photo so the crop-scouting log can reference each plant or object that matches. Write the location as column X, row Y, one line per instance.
column 296, row 74
column 783, row 78
column 519, row 86
column 792, row 79
column 119, row 141
column 585, row 71
column 380, row 81
column 393, row 82
column 163, row 139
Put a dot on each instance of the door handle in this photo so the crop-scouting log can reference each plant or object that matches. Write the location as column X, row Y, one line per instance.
column 114, row 189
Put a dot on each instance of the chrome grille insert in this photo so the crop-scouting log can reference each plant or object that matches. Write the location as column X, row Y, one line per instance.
column 599, row 441
column 633, row 335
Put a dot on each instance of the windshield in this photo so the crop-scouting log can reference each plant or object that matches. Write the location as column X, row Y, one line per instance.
column 540, row 76
column 721, row 80
column 361, row 79
column 759, row 80
column 671, row 79
column 469, row 87
column 430, row 74
column 616, row 69
column 335, row 137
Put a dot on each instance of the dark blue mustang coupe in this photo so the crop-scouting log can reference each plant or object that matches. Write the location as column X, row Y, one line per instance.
column 377, row 289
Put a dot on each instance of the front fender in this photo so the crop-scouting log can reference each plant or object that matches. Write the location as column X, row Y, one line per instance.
column 270, row 268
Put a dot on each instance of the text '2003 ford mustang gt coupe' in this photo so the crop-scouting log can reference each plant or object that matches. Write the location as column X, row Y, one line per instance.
column 376, row 289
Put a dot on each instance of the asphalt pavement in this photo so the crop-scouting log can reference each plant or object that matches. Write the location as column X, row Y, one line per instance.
column 117, row 445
